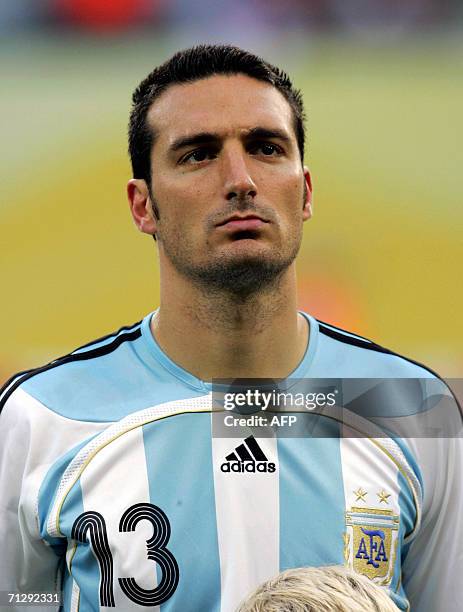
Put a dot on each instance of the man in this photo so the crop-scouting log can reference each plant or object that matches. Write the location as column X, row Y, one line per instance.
column 114, row 486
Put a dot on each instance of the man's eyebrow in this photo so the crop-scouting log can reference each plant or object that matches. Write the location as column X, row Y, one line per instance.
column 262, row 133
column 194, row 139
column 211, row 137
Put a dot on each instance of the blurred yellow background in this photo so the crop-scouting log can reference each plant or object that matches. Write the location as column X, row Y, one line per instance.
column 382, row 255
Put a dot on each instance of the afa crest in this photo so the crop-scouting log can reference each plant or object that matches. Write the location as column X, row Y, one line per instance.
column 370, row 542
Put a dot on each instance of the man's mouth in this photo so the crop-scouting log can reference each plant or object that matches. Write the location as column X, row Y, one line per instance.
column 242, row 223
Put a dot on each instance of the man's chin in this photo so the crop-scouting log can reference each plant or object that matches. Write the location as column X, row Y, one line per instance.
column 242, row 274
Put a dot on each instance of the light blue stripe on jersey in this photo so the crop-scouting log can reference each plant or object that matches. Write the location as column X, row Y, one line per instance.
column 49, row 487
column 45, row 502
column 408, row 517
column 407, row 522
column 84, row 565
column 312, row 517
column 84, row 559
column 67, row 590
column 180, row 474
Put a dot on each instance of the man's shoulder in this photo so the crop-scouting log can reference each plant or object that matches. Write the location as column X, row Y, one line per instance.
column 365, row 357
column 94, row 369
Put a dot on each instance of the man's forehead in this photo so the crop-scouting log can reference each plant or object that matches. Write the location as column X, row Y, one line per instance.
column 219, row 104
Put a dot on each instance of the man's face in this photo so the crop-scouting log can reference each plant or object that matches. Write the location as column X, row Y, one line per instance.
column 227, row 182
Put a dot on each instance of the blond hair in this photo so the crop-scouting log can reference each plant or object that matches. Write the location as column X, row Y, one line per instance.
column 318, row 589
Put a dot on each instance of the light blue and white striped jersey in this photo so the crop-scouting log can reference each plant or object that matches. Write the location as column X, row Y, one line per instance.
column 113, row 488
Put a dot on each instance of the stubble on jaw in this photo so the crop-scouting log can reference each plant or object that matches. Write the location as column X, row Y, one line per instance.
column 237, row 279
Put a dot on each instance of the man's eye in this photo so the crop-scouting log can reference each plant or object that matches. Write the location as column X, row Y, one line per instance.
column 197, row 156
column 268, row 149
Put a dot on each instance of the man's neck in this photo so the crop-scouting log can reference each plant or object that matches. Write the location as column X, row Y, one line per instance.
column 218, row 335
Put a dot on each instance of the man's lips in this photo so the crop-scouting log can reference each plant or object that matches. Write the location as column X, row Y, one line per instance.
column 246, row 223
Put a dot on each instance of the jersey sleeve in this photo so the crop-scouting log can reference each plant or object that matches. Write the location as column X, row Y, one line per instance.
column 27, row 564
column 32, row 437
column 433, row 565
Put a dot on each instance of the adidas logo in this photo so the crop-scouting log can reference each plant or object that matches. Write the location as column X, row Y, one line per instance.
column 247, row 457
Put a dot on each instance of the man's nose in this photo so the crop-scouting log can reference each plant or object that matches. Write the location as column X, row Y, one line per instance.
column 237, row 180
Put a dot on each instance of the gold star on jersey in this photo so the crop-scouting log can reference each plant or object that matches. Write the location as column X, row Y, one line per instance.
column 360, row 493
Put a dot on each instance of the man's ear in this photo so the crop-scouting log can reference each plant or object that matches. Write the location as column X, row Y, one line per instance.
column 307, row 209
column 141, row 206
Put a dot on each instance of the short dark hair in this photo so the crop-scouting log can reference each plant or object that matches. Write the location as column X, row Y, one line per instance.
column 192, row 65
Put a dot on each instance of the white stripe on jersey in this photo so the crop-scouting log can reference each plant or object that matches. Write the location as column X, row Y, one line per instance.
column 363, row 465
column 98, row 494
column 248, row 519
column 369, row 433
column 75, row 597
column 371, row 490
column 393, row 450
column 366, row 475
